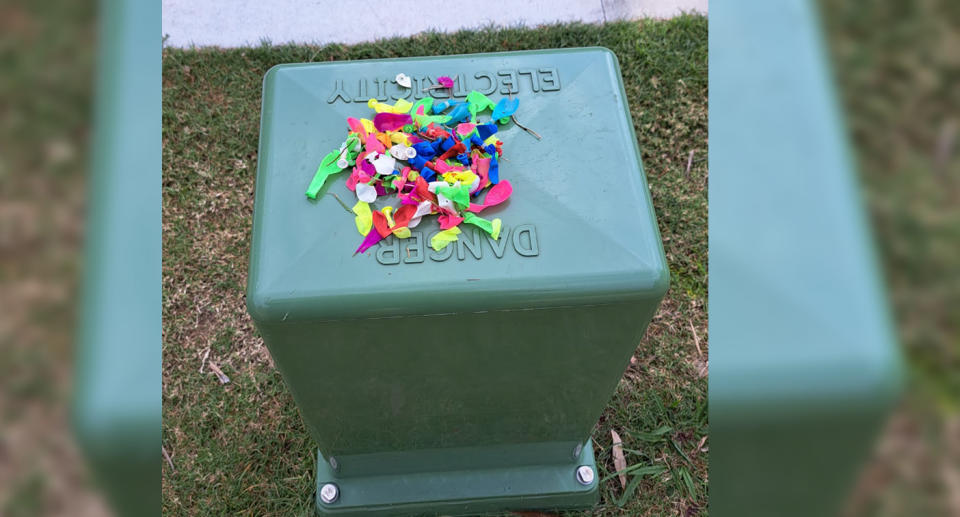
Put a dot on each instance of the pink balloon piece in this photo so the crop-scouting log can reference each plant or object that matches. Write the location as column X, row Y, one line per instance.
column 445, row 81
column 372, row 238
column 357, row 127
column 497, row 194
column 442, row 166
column 448, row 220
column 353, row 179
column 374, row 145
column 362, row 159
column 482, row 169
column 391, row 121
column 464, row 128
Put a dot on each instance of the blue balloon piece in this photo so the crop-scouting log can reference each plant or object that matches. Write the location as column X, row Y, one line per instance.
column 460, row 112
column 417, row 162
column 440, row 107
column 494, row 172
column 424, row 149
column 428, row 174
column 485, row 130
column 448, row 143
column 505, row 107
column 464, row 158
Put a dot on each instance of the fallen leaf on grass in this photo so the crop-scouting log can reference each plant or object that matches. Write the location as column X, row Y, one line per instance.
column 701, row 366
column 618, row 460
column 219, row 373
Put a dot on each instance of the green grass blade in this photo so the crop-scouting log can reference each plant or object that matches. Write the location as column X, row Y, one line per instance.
column 638, row 475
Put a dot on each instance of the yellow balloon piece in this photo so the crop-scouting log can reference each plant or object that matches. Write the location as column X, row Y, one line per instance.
column 441, row 239
column 464, row 177
column 402, row 232
column 388, row 212
column 492, row 139
column 402, row 106
column 497, row 225
column 399, row 137
column 368, row 125
column 364, row 217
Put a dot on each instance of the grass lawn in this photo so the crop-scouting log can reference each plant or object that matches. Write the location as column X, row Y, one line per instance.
column 241, row 448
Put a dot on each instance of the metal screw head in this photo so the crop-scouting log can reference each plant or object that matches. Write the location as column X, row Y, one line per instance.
column 585, row 475
column 329, row 493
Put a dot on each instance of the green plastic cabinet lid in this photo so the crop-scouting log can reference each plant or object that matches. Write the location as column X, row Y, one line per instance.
column 579, row 227
column 467, row 379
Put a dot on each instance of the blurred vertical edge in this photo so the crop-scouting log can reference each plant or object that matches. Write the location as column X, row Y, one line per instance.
column 804, row 362
column 116, row 409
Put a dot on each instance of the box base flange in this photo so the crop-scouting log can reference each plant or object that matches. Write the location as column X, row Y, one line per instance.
column 462, row 492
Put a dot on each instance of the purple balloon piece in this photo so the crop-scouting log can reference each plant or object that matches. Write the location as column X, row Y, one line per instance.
column 368, row 168
column 372, row 238
column 391, row 121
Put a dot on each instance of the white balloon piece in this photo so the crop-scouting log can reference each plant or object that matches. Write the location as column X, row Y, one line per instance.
column 366, row 193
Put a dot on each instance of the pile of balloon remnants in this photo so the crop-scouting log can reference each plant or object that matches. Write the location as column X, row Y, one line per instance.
column 432, row 155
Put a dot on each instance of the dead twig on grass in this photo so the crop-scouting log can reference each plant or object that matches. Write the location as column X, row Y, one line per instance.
column 166, row 456
column 219, row 373
column 696, row 339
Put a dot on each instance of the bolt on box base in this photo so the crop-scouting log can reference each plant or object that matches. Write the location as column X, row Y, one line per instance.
column 460, row 492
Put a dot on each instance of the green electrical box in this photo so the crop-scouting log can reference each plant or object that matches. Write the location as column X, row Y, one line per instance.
column 116, row 406
column 810, row 366
column 466, row 380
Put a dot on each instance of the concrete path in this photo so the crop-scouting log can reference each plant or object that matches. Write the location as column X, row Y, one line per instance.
column 234, row 23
